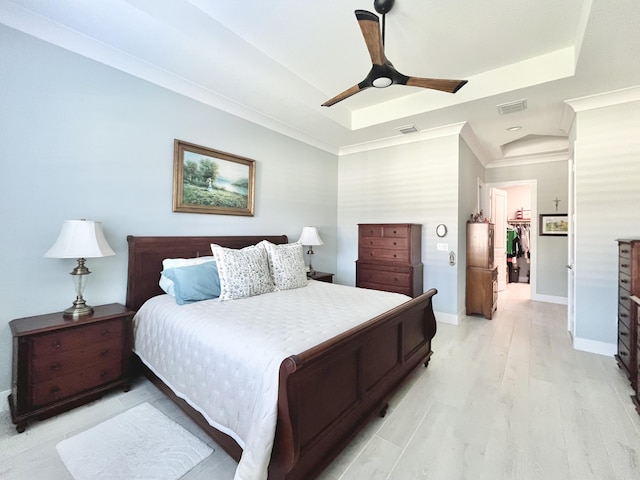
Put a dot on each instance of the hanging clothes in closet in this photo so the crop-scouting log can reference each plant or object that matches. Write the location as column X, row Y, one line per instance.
column 518, row 250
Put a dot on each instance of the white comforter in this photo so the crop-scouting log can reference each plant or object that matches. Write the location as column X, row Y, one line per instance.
column 223, row 358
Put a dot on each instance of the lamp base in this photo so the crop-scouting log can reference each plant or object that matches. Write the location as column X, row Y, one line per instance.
column 79, row 309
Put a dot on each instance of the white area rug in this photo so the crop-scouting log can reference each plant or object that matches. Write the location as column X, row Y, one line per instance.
column 140, row 444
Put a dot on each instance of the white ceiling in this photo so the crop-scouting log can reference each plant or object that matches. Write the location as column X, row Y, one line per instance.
column 275, row 62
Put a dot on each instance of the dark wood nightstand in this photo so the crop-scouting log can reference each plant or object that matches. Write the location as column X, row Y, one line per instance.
column 60, row 363
column 321, row 276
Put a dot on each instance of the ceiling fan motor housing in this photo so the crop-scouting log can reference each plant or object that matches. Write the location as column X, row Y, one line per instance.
column 383, row 6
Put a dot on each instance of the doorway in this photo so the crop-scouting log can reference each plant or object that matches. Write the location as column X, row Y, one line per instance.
column 519, row 233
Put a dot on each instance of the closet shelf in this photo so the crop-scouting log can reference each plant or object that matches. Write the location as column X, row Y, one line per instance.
column 519, row 220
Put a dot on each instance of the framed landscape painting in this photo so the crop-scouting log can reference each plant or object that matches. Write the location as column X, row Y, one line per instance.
column 210, row 181
column 554, row 224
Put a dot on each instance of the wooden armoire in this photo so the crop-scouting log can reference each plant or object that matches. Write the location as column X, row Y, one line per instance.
column 482, row 275
column 390, row 257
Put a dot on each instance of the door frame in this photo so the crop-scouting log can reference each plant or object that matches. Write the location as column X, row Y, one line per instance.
column 533, row 231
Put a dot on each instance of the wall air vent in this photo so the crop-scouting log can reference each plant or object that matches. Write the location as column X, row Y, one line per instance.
column 407, row 129
column 511, row 107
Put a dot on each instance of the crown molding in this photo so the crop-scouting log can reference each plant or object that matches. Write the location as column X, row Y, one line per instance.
column 606, row 99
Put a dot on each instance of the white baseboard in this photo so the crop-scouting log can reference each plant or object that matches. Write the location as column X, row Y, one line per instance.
column 447, row 318
column 594, row 346
column 4, row 404
column 549, row 299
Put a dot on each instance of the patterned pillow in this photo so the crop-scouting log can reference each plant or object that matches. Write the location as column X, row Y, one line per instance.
column 244, row 272
column 286, row 263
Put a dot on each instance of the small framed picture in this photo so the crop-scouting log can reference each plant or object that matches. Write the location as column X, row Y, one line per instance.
column 210, row 181
column 554, row 224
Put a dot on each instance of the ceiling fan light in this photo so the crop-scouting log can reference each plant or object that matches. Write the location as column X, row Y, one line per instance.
column 382, row 82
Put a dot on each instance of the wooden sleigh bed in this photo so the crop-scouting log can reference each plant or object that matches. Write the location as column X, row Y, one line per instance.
column 316, row 418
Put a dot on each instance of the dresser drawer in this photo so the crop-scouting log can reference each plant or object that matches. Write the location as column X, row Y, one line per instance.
column 46, row 367
column 395, row 231
column 624, row 265
column 397, row 279
column 624, row 297
column 624, row 354
column 65, row 386
column 624, row 317
column 380, row 254
column 387, row 243
column 624, row 281
column 624, row 335
column 385, row 287
column 76, row 337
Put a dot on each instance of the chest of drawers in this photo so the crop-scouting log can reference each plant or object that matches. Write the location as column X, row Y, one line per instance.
column 390, row 258
column 60, row 363
column 628, row 285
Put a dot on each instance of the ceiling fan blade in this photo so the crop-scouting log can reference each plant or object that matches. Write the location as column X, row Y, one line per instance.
column 450, row 86
column 341, row 96
column 370, row 26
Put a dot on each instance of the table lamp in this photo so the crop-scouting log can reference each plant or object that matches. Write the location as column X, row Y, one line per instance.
column 80, row 239
column 310, row 237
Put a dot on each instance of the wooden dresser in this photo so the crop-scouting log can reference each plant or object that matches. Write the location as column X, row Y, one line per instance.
column 390, row 257
column 628, row 285
column 635, row 319
column 60, row 363
column 482, row 276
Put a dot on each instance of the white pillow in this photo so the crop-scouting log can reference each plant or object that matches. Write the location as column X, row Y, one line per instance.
column 165, row 283
column 286, row 263
column 244, row 272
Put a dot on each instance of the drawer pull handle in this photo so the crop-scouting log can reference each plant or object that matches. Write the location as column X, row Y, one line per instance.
column 104, row 374
column 105, row 332
column 624, row 250
column 55, row 366
column 624, row 334
column 394, row 255
column 624, row 265
column 395, row 243
column 55, row 389
column 104, row 352
column 624, row 354
column 624, row 280
column 624, row 315
column 56, row 344
column 624, row 298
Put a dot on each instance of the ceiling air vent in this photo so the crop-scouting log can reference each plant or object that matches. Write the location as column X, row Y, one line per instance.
column 511, row 107
column 407, row 129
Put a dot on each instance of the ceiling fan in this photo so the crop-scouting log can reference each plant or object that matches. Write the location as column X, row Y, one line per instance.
column 383, row 73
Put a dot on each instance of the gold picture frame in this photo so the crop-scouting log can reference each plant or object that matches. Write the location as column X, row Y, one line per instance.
column 210, row 181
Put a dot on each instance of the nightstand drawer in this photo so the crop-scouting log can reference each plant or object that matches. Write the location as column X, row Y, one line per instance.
column 47, row 367
column 76, row 337
column 77, row 382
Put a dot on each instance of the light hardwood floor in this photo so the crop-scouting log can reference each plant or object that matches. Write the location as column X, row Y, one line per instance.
column 506, row 399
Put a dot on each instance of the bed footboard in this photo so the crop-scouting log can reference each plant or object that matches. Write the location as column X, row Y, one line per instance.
column 328, row 393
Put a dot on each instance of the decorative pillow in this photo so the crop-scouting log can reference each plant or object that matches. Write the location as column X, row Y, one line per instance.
column 244, row 272
column 286, row 263
column 195, row 282
column 165, row 283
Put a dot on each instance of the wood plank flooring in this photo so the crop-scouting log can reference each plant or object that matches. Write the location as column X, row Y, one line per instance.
column 506, row 399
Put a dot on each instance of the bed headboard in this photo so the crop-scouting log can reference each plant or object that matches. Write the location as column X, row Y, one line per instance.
column 146, row 255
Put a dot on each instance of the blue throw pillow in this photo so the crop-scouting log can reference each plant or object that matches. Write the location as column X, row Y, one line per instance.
column 195, row 282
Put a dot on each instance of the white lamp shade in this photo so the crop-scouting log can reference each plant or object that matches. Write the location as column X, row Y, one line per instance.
column 80, row 239
column 310, row 236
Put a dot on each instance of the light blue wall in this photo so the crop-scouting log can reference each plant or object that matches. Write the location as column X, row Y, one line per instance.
column 411, row 183
column 81, row 140
column 607, row 163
